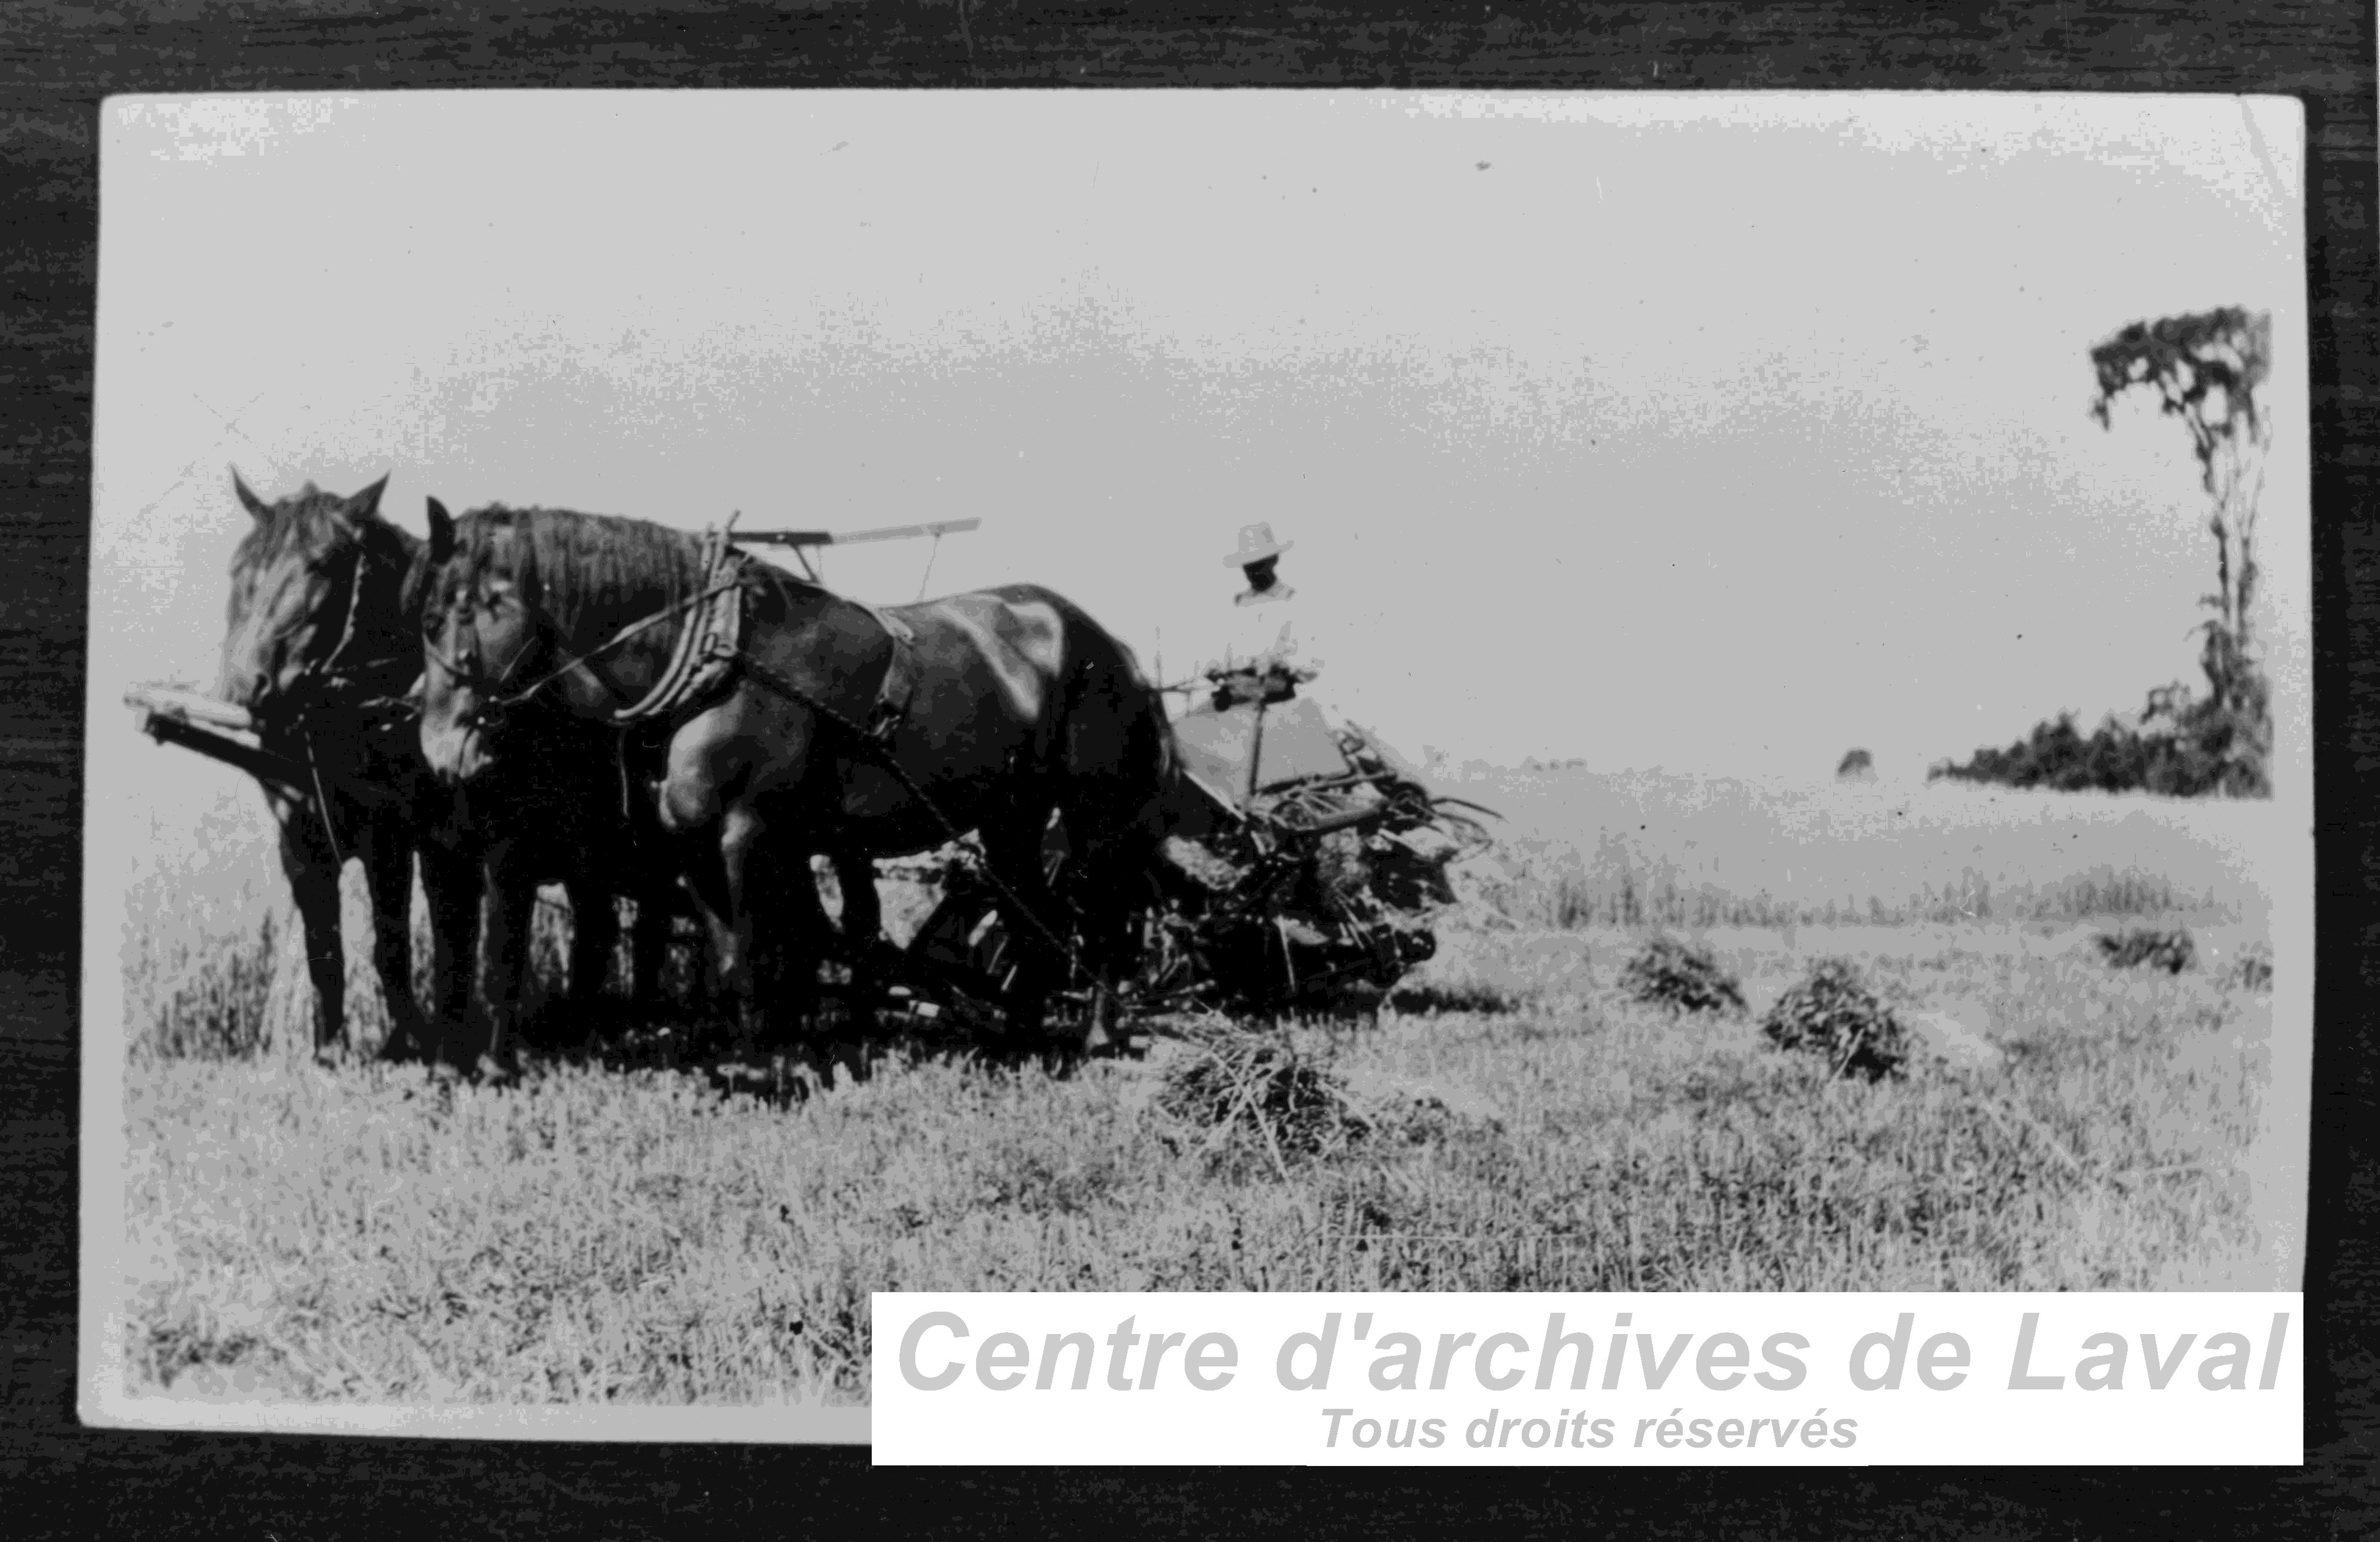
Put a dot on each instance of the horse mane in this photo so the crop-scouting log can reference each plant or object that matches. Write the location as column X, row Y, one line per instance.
column 308, row 523
column 582, row 567
column 284, row 541
column 301, row 524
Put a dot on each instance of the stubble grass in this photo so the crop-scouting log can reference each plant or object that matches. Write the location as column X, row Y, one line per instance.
column 375, row 1235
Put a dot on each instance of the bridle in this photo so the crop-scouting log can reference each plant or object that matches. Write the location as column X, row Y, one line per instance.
column 334, row 681
column 496, row 704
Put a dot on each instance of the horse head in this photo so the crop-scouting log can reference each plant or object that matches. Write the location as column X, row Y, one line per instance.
column 505, row 608
column 318, row 590
column 479, row 630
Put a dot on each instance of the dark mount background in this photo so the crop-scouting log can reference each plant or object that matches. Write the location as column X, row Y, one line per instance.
column 58, row 61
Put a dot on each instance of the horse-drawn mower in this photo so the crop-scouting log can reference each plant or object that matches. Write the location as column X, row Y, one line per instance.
column 1299, row 873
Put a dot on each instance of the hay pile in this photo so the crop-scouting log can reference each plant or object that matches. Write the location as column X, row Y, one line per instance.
column 1240, row 1081
column 2253, row 968
column 1833, row 1014
column 1678, row 975
column 2140, row 946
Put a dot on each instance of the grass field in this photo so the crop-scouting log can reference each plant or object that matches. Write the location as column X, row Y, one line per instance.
column 378, row 1234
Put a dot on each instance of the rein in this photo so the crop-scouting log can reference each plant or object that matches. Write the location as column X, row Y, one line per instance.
column 471, row 674
column 874, row 748
column 325, row 678
column 319, row 684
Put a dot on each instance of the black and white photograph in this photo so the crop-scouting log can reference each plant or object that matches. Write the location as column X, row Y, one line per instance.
column 705, row 703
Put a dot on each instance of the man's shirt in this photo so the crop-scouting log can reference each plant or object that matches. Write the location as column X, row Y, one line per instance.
column 1261, row 627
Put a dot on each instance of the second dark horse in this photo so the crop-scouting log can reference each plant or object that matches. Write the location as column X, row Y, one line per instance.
column 1010, row 704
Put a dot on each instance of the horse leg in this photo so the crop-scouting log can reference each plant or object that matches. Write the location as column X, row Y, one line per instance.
column 314, row 886
column 594, row 942
column 503, row 952
column 1014, row 851
column 649, row 943
column 721, row 892
column 1118, row 891
column 594, row 937
column 863, row 938
column 388, row 870
column 452, row 883
column 706, row 884
column 781, row 900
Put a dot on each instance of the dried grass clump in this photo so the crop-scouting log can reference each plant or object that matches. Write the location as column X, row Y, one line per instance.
column 217, row 1008
column 1435, row 998
column 1678, row 974
column 2137, row 946
column 1834, row 1013
column 1240, row 1081
column 2253, row 968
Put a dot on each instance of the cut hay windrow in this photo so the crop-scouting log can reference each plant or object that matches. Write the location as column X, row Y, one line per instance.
column 2145, row 947
column 1238, row 1081
column 1670, row 973
column 1834, row 1013
column 2253, row 968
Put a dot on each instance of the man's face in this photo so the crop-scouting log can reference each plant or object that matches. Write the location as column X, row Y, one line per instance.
column 1260, row 574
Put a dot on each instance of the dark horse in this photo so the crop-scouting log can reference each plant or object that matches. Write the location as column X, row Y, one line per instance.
column 324, row 642
column 1016, row 705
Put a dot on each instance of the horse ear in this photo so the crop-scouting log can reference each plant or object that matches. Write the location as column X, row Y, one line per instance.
column 255, row 506
column 365, row 506
column 442, row 533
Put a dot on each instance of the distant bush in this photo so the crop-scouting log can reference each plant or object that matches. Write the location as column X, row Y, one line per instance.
column 2136, row 946
column 2204, row 368
column 1833, row 1014
column 1678, row 974
column 2181, row 747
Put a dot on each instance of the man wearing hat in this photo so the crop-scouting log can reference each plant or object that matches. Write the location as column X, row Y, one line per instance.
column 1262, row 629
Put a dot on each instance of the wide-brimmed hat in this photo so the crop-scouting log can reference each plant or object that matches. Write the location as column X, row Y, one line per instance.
column 1255, row 544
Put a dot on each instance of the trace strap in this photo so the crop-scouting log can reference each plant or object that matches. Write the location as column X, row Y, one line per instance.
column 883, row 754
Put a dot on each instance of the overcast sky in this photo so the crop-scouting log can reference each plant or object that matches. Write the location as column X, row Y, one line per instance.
column 1711, row 433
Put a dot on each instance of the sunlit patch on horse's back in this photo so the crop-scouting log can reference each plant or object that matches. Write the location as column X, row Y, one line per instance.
column 1041, row 635
column 1022, row 646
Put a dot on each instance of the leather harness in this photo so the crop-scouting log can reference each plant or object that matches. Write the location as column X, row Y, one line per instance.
column 709, row 647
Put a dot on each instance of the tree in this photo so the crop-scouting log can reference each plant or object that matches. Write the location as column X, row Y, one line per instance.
column 2206, row 368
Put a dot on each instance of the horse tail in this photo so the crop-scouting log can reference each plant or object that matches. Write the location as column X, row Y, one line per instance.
column 1121, row 761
